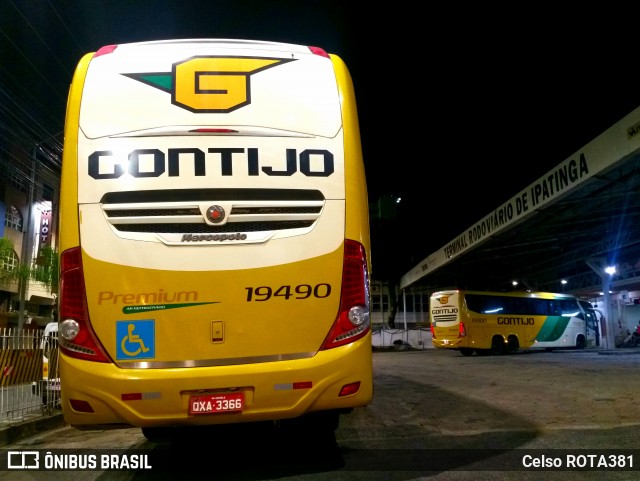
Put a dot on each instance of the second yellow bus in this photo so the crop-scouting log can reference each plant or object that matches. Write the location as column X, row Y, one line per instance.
column 504, row 322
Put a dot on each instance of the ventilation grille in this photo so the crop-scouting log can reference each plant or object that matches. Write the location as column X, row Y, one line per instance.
column 185, row 211
column 178, row 228
column 445, row 317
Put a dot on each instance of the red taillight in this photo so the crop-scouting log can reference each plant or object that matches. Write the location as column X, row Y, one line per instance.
column 353, row 320
column 74, row 312
column 433, row 331
column 105, row 50
column 462, row 331
column 319, row 51
column 72, row 303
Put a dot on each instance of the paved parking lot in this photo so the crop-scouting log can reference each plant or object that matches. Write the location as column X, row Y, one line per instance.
column 547, row 390
column 435, row 414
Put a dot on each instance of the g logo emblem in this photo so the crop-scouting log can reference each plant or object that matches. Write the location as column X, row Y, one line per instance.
column 209, row 84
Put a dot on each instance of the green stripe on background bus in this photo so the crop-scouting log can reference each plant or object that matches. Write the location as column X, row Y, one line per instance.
column 553, row 328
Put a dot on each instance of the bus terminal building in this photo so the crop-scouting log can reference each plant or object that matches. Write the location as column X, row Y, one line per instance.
column 576, row 230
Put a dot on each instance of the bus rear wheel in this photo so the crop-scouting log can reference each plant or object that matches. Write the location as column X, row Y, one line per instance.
column 512, row 344
column 581, row 343
column 465, row 351
column 497, row 345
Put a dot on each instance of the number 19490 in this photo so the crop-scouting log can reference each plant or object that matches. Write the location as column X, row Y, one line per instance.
column 301, row 291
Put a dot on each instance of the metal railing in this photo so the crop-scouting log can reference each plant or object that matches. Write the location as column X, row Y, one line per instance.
column 416, row 336
column 29, row 376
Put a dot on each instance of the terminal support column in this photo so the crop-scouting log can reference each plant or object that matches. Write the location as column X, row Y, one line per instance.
column 598, row 265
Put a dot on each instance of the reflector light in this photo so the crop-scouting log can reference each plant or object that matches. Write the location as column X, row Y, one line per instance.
column 131, row 396
column 80, row 406
column 302, row 385
column 349, row 389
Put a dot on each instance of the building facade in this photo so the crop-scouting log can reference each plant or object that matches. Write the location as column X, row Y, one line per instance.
column 29, row 199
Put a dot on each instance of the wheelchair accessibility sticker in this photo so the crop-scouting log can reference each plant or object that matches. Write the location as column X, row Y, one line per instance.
column 135, row 339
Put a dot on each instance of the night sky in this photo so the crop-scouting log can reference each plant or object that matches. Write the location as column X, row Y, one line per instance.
column 460, row 108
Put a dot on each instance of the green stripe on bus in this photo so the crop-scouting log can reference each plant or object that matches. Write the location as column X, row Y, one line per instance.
column 552, row 328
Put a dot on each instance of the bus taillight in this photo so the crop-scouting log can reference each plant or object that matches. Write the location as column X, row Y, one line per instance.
column 433, row 331
column 75, row 334
column 353, row 320
column 463, row 331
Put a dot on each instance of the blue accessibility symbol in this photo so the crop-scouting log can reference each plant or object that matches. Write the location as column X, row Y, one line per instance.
column 135, row 339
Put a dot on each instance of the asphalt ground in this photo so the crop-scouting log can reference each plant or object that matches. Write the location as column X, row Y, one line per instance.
column 428, row 402
column 435, row 415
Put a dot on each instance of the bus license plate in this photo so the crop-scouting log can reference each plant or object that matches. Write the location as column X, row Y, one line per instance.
column 216, row 403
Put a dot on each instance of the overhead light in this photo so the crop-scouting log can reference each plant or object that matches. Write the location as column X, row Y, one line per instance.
column 563, row 282
column 611, row 270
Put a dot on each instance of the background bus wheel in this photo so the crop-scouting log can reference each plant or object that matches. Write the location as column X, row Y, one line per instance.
column 512, row 344
column 497, row 345
column 465, row 351
column 581, row 343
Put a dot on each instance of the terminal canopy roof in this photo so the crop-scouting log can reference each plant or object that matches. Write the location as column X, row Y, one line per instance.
column 569, row 224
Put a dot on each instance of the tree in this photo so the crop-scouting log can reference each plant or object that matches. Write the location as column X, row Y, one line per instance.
column 10, row 271
column 44, row 270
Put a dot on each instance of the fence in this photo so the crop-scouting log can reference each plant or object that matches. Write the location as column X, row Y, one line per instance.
column 417, row 337
column 29, row 377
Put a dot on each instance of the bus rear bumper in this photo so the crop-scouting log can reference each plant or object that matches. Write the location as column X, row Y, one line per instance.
column 99, row 394
column 449, row 343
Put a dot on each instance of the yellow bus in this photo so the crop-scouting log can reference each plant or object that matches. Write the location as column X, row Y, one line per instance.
column 504, row 322
column 214, row 238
